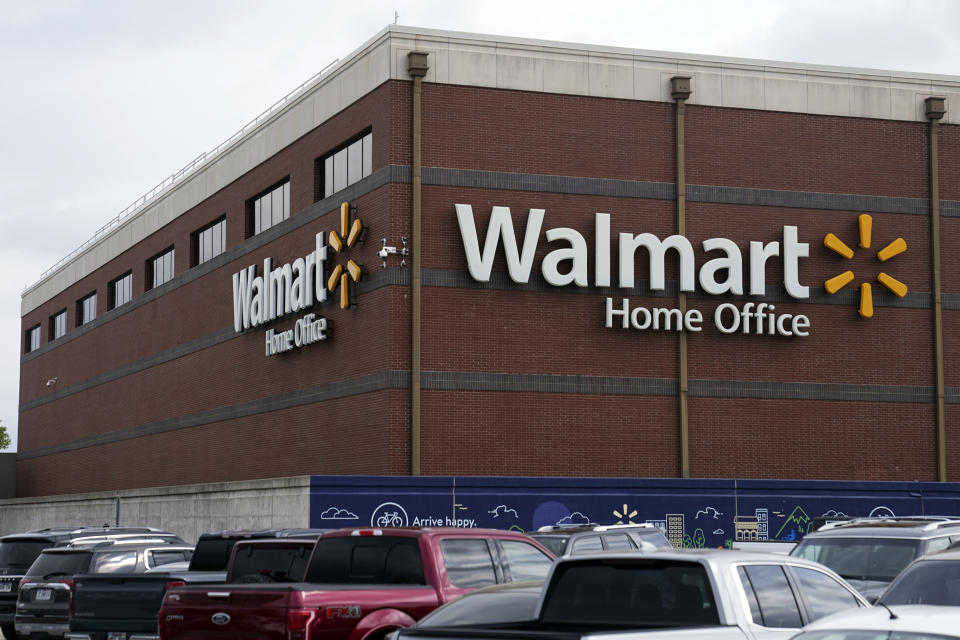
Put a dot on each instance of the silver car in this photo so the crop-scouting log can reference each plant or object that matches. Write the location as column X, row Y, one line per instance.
column 898, row 622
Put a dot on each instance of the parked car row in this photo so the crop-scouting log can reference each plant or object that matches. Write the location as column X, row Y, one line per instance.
column 404, row 583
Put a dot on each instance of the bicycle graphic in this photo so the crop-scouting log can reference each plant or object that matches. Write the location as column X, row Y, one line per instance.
column 390, row 519
column 389, row 514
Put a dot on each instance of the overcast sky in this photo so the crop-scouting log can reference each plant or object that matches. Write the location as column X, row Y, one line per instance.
column 102, row 100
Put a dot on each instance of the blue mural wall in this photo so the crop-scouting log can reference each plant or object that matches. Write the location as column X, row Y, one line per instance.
column 692, row 513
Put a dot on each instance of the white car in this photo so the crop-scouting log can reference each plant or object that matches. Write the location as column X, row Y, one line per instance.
column 897, row 622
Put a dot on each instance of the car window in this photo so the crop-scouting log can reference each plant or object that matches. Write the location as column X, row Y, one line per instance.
column 261, row 563
column 115, row 562
column 860, row 558
column 556, row 544
column 822, row 594
column 619, row 542
column 366, row 560
column 656, row 538
column 937, row 544
column 59, row 564
column 158, row 558
column 928, row 582
column 587, row 544
column 468, row 562
column 628, row 594
column 524, row 561
column 776, row 604
column 20, row 554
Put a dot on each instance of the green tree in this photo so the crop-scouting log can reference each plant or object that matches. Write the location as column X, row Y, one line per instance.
column 5, row 440
column 699, row 539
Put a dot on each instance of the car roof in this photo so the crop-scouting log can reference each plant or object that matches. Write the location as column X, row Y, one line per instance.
column 117, row 545
column 895, row 527
column 65, row 533
column 909, row 618
column 561, row 529
column 717, row 557
column 263, row 533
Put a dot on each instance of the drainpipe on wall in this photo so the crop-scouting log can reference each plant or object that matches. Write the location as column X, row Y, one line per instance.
column 417, row 68
column 680, row 91
column 935, row 109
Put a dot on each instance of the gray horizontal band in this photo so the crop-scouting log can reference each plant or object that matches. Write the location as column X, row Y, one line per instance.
column 397, row 276
column 514, row 382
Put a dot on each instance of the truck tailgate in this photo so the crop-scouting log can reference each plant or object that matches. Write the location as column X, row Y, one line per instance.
column 244, row 612
column 117, row 602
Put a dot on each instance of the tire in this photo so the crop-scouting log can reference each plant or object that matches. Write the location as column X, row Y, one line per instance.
column 9, row 631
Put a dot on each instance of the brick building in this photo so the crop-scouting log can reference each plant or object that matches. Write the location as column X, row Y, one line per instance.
column 242, row 323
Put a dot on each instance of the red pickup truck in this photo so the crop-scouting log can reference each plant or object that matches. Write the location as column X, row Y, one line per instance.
column 360, row 585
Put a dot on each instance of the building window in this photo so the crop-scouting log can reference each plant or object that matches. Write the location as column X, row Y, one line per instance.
column 58, row 325
column 269, row 208
column 120, row 290
column 346, row 165
column 33, row 338
column 160, row 268
column 87, row 309
column 210, row 241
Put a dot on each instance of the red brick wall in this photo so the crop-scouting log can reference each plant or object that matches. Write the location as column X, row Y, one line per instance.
column 554, row 332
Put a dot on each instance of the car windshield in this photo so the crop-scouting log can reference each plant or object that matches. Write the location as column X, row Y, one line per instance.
column 212, row 554
column 20, row 554
column 59, row 565
column 879, row 559
column 927, row 582
column 509, row 605
column 629, row 594
column 556, row 544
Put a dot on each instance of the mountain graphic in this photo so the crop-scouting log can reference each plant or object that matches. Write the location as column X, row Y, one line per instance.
column 798, row 522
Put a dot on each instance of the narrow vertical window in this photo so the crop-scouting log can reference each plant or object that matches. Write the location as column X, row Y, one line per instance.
column 269, row 208
column 345, row 165
column 160, row 268
column 210, row 241
column 87, row 309
column 33, row 339
column 120, row 291
column 58, row 325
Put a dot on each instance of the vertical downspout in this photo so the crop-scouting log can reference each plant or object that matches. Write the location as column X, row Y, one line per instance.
column 935, row 110
column 417, row 68
column 680, row 91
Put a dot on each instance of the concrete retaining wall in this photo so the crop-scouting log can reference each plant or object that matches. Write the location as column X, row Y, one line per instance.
column 187, row 510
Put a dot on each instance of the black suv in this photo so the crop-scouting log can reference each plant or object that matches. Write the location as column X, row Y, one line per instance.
column 18, row 551
column 44, row 601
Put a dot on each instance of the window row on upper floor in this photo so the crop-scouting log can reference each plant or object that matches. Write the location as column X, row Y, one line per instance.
column 334, row 171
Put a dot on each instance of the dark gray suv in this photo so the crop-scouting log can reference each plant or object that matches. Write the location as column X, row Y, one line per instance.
column 870, row 552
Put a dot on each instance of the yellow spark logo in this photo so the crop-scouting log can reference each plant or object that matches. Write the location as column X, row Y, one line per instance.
column 626, row 515
column 836, row 283
column 340, row 277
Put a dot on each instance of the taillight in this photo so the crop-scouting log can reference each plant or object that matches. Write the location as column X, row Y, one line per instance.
column 23, row 581
column 298, row 623
column 174, row 583
column 69, row 584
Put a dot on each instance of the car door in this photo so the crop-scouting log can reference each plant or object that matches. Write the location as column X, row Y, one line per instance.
column 820, row 593
column 774, row 612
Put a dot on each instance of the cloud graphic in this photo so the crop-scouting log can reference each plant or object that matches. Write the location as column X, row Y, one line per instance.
column 833, row 513
column 575, row 518
column 503, row 509
column 709, row 512
column 335, row 513
column 718, row 532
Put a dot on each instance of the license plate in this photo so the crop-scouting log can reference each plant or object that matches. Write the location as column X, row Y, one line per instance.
column 44, row 594
column 116, row 635
column 5, row 587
